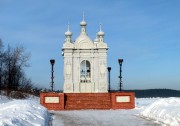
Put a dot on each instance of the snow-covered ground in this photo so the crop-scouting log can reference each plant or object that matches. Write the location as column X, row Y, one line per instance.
column 148, row 112
column 22, row 112
column 99, row 118
column 165, row 110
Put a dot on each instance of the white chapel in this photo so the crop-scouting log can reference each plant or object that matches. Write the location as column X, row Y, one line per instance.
column 85, row 62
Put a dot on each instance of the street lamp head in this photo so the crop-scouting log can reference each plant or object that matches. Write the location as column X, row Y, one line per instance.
column 52, row 61
column 120, row 61
column 109, row 69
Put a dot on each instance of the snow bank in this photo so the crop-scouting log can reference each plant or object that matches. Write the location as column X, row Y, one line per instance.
column 142, row 103
column 165, row 110
column 22, row 113
column 3, row 99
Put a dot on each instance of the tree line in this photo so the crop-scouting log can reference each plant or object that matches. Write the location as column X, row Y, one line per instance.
column 13, row 61
column 149, row 93
column 157, row 93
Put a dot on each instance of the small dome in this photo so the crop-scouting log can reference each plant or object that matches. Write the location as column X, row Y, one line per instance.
column 96, row 40
column 68, row 33
column 100, row 33
column 83, row 23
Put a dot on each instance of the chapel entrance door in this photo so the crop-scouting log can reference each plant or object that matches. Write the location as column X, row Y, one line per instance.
column 85, row 76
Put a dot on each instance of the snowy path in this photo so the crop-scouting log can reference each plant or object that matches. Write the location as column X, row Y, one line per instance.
column 99, row 118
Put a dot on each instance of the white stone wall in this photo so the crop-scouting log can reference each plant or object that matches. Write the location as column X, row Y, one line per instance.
column 98, row 61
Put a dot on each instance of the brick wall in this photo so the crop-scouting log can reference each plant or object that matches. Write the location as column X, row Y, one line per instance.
column 73, row 101
column 50, row 105
column 122, row 102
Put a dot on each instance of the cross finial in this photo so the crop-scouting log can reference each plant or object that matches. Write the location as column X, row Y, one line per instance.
column 100, row 27
column 68, row 27
column 68, row 32
column 83, row 15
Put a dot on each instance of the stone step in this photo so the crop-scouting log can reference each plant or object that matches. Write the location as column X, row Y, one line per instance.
column 77, row 101
column 74, row 107
column 90, row 105
column 88, row 98
column 87, row 94
column 88, row 102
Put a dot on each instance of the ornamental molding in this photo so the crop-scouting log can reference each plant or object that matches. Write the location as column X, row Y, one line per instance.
column 68, row 45
column 83, row 42
column 102, row 45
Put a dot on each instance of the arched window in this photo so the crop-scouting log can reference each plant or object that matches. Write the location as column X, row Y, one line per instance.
column 85, row 72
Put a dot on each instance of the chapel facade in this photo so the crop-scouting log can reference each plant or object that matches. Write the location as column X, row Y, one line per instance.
column 85, row 62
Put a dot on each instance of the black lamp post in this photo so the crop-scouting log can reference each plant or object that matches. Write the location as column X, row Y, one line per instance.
column 120, row 76
column 0, row 85
column 52, row 61
column 109, row 70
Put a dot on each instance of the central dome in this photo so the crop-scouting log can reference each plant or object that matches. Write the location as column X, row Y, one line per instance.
column 83, row 23
column 68, row 33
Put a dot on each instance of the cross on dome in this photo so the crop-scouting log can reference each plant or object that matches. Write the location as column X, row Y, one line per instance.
column 83, row 23
column 68, row 32
column 83, row 16
column 100, row 33
column 100, row 27
column 68, row 26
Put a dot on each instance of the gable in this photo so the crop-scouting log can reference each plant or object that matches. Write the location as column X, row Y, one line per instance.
column 83, row 42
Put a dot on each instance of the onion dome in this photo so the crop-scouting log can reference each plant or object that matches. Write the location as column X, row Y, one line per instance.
column 68, row 32
column 100, row 33
column 83, row 23
column 96, row 40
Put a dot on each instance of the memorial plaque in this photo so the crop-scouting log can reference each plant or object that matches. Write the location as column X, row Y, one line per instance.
column 123, row 99
column 52, row 99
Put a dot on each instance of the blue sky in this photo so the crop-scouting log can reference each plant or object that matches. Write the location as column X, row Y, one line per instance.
column 145, row 33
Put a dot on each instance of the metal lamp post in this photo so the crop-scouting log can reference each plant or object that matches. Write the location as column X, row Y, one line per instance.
column 0, row 85
column 109, row 70
column 120, row 76
column 52, row 61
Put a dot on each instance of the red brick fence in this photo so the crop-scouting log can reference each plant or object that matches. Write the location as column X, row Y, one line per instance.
column 77, row 101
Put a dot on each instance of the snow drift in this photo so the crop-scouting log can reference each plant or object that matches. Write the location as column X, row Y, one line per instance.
column 166, row 111
column 29, row 112
column 22, row 113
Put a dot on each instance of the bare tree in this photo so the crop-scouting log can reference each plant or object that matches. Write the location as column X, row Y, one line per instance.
column 15, row 59
column 12, row 76
column 26, row 84
column 20, row 60
column 1, row 64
